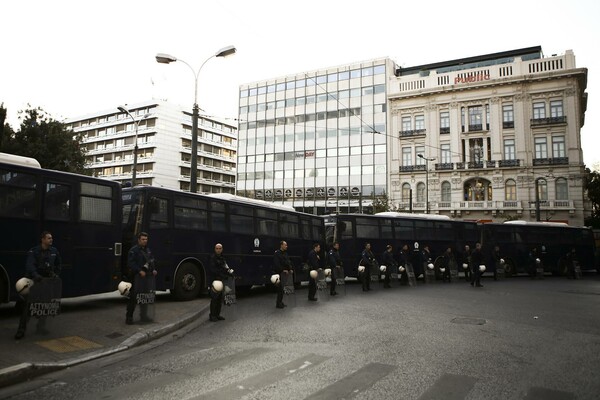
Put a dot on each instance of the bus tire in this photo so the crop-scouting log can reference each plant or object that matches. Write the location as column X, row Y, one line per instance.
column 509, row 268
column 188, row 282
column 3, row 288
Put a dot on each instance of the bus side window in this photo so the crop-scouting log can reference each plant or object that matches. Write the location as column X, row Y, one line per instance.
column 159, row 213
column 57, row 202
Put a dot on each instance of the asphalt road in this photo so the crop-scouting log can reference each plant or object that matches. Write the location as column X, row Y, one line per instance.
column 512, row 339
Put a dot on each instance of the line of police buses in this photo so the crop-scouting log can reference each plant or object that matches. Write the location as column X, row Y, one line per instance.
column 94, row 223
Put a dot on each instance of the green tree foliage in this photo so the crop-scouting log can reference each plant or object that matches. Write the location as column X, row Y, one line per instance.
column 592, row 188
column 45, row 139
column 381, row 203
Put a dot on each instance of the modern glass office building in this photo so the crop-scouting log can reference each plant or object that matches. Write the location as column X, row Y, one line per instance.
column 316, row 140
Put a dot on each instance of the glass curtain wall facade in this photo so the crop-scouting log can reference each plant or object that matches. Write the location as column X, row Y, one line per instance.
column 316, row 140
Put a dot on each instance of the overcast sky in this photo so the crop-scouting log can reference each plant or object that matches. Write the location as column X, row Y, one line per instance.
column 76, row 57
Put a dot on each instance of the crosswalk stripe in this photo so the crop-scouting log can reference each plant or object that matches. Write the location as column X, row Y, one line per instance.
column 269, row 377
column 450, row 387
column 164, row 379
column 354, row 383
column 537, row 393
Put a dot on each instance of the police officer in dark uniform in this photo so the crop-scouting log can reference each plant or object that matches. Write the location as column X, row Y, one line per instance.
column 219, row 271
column 405, row 257
column 446, row 261
column 43, row 261
column 140, row 261
column 534, row 258
column 314, row 264
column 283, row 266
column 466, row 259
column 571, row 259
column 334, row 261
column 497, row 260
column 387, row 259
column 368, row 260
column 476, row 261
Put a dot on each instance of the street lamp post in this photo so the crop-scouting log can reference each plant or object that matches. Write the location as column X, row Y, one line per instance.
column 426, row 180
column 163, row 58
column 135, row 147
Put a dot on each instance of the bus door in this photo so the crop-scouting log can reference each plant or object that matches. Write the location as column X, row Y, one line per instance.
column 57, row 218
column 161, row 238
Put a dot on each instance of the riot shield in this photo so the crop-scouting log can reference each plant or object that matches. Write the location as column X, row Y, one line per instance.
column 229, row 299
column 539, row 270
column 375, row 274
column 577, row 270
column 145, row 296
column 289, row 290
column 340, row 279
column 322, row 285
column 453, row 270
column 43, row 301
column 429, row 274
column 500, row 272
column 412, row 280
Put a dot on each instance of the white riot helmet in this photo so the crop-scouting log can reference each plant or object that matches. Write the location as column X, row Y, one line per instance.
column 327, row 272
column 465, row 265
column 537, row 260
column 502, row 261
column 361, row 268
column 275, row 279
column 217, row 286
column 23, row 285
column 124, row 288
column 430, row 266
column 482, row 268
column 402, row 269
column 314, row 274
column 230, row 271
column 442, row 269
column 382, row 268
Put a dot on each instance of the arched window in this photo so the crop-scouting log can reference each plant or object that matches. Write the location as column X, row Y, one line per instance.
column 510, row 190
column 406, row 192
column 420, row 192
column 446, row 196
column 542, row 185
column 562, row 189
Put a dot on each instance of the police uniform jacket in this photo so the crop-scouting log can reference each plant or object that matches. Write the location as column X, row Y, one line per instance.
column 387, row 258
column 140, row 259
column 42, row 263
column 281, row 261
column 218, row 268
column 476, row 258
column 404, row 257
column 334, row 258
column 313, row 260
column 368, row 258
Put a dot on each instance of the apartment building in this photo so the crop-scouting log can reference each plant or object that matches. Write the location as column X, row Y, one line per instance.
column 163, row 133
column 490, row 137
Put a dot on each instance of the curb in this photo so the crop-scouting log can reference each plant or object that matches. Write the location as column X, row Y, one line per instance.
column 24, row 371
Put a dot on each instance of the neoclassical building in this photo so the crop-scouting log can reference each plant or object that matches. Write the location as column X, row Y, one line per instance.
column 489, row 137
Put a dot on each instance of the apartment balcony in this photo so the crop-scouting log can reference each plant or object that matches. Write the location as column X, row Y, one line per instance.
column 508, row 124
column 412, row 168
column 444, row 166
column 475, row 164
column 549, row 121
column 551, row 161
column 445, row 130
column 509, row 163
column 412, row 132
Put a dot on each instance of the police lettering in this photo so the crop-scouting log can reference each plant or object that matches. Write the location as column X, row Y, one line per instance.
column 145, row 298
column 44, row 309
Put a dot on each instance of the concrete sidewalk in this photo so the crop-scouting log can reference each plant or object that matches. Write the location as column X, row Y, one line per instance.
column 88, row 327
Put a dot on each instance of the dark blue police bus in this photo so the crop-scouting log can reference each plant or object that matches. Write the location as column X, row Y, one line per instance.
column 81, row 212
column 552, row 240
column 437, row 231
column 184, row 227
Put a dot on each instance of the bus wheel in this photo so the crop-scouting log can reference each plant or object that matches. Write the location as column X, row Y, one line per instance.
column 509, row 268
column 188, row 282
